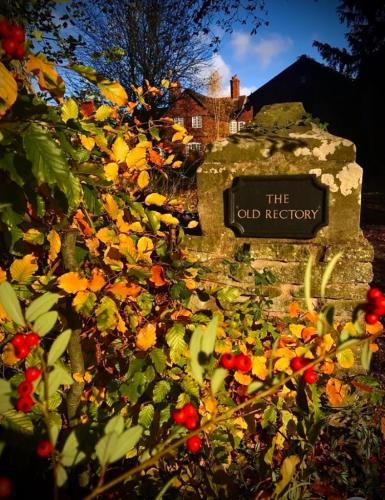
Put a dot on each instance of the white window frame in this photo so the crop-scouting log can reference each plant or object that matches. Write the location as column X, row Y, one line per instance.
column 196, row 121
column 194, row 146
column 241, row 125
column 233, row 127
column 179, row 120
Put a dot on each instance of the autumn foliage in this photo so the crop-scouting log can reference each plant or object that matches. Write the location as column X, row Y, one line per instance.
column 109, row 369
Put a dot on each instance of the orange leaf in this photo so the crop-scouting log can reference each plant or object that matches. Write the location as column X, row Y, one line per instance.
column 157, row 275
column 72, row 282
column 146, row 337
column 362, row 387
column 97, row 281
column 376, row 328
column 311, row 316
column 327, row 366
column 122, row 290
column 373, row 347
column 242, row 378
column 182, row 313
column 81, row 223
column 383, row 427
column 155, row 158
column 87, row 108
column 286, row 340
column 336, row 391
column 309, row 333
column 294, row 309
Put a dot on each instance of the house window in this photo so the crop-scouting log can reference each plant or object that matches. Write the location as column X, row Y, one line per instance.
column 233, row 127
column 179, row 120
column 196, row 122
column 241, row 125
column 193, row 146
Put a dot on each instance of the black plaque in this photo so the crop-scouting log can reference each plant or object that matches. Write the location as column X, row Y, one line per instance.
column 285, row 206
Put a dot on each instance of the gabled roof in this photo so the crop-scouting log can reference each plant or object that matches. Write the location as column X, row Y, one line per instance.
column 226, row 107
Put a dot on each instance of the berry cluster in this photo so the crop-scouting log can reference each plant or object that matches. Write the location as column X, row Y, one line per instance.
column 188, row 416
column 24, row 343
column 299, row 362
column 375, row 306
column 239, row 362
column 25, row 389
column 13, row 39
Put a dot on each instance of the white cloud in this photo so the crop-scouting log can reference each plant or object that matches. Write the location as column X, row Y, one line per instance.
column 265, row 50
column 247, row 90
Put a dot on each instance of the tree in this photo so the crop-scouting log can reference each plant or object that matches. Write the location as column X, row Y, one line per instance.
column 137, row 40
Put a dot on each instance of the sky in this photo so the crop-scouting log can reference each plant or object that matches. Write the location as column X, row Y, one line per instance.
column 293, row 26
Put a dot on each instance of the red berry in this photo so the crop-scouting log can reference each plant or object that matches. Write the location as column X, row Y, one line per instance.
column 297, row 363
column 5, row 28
column 179, row 416
column 191, row 423
column 371, row 318
column 32, row 373
column 18, row 340
column 44, row 448
column 190, row 410
column 24, row 404
column 17, row 33
column 32, row 339
column 22, row 351
column 243, row 363
column 310, row 376
column 374, row 294
column 227, row 360
column 10, row 46
column 25, row 388
column 194, row 444
column 5, row 487
column 379, row 306
column 20, row 52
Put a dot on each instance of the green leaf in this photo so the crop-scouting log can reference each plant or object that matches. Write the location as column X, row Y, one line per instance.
column 10, row 303
column 269, row 416
column 103, row 112
column 176, row 342
column 328, row 272
column 366, row 356
column 71, row 455
column 69, row 110
column 146, row 416
column 106, row 314
column 45, row 323
column 105, row 447
column 288, row 469
column 54, row 401
column 190, row 386
column 153, row 220
column 227, row 296
column 195, row 349
column 41, row 305
column 127, row 441
column 307, row 284
column 254, row 386
column 168, row 485
column 159, row 358
column 115, row 424
column 49, row 165
column 57, row 377
column 137, row 387
column 61, row 475
column 18, row 421
column 5, row 400
column 209, row 336
column 154, row 132
column 217, row 379
column 161, row 390
column 59, row 346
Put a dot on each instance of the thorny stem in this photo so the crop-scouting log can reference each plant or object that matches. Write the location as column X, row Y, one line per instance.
column 219, row 419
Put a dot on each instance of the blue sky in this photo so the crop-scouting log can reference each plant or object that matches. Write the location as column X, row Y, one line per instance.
column 293, row 25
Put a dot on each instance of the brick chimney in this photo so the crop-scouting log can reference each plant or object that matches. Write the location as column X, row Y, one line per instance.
column 234, row 86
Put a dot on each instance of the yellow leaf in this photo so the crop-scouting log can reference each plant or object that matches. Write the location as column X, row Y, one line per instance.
column 165, row 83
column 103, row 112
column 112, row 258
column 111, row 206
column 111, row 171
column 136, row 158
column 34, row 236
column 127, row 247
column 187, row 139
column 155, row 199
column 192, row 224
column 97, row 280
column 145, row 245
column 177, row 164
column 114, row 92
column 87, row 142
column 47, row 77
column 143, row 179
column 345, row 358
column 69, row 110
column 54, row 245
column 296, row 330
column 288, row 469
column 282, row 364
column 93, row 245
column 328, row 342
column 78, row 377
column 121, row 224
column 259, row 367
column 22, row 269
column 179, row 128
column 169, row 220
column 8, row 90
column 8, row 355
column 72, row 282
column 136, row 227
column 169, row 160
column 84, row 302
column 146, row 337
column 123, row 289
column 107, row 236
column 336, row 391
column 87, row 377
column 119, row 150
column 3, row 275
column 242, row 378
column 177, row 136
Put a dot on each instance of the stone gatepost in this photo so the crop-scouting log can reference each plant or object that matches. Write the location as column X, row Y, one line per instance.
column 288, row 189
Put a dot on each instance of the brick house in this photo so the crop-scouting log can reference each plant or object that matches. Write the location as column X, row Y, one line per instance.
column 209, row 118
